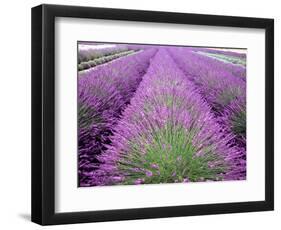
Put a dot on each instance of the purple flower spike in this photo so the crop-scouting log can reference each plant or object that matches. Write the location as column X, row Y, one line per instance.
column 138, row 181
column 148, row 173
column 154, row 166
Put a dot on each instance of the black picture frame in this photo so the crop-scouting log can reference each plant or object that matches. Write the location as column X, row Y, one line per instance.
column 43, row 114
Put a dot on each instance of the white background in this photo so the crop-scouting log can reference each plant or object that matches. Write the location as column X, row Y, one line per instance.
column 15, row 115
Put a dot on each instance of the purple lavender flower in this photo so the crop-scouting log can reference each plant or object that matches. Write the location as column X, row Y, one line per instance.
column 138, row 181
column 148, row 173
column 233, row 119
column 154, row 166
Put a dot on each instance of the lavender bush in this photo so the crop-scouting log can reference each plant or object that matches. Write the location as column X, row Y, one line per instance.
column 234, row 120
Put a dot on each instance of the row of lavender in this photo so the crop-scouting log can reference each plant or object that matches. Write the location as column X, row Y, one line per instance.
column 85, row 55
column 168, row 134
column 221, row 88
column 103, row 93
column 102, row 60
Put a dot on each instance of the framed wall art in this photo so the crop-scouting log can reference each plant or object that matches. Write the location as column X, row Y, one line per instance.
column 141, row 114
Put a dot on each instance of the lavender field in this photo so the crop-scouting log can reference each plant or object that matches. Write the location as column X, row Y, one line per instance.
column 160, row 114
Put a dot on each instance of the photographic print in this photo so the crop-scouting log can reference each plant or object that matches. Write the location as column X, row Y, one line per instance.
column 143, row 104
column 152, row 114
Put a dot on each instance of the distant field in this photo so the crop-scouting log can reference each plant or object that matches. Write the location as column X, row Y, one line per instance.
column 226, row 58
